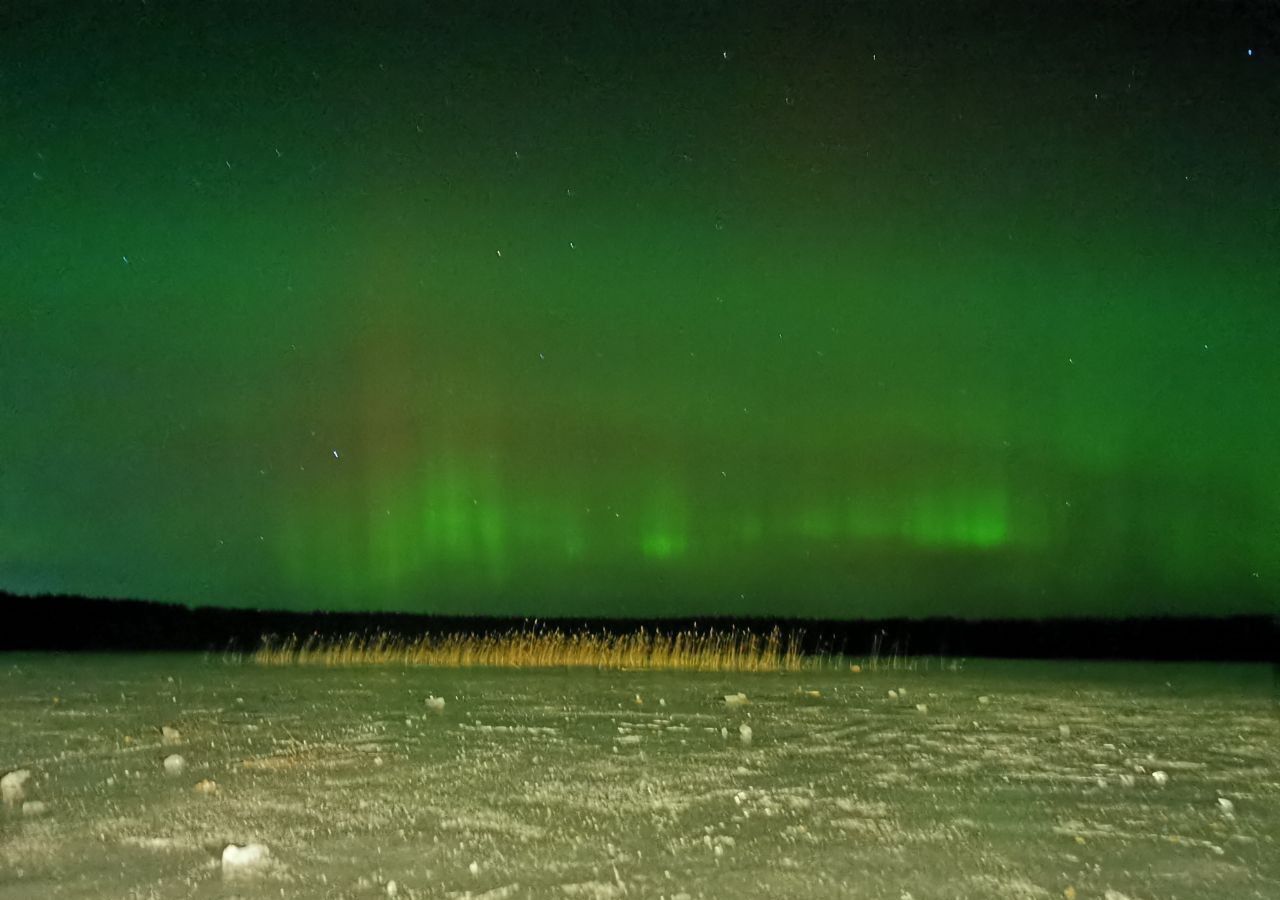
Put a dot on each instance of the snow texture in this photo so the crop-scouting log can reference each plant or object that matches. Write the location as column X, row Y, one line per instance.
column 559, row 784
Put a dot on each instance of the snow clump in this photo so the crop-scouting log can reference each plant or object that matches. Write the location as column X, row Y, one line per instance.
column 13, row 786
column 245, row 859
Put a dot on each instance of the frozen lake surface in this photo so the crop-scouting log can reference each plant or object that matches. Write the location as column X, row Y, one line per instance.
column 1002, row 780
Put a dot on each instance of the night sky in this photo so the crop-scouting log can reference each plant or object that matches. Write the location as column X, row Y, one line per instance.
column 816, row 309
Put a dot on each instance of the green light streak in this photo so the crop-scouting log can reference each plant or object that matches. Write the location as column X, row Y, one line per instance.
column 665, row 529
column 958, row 519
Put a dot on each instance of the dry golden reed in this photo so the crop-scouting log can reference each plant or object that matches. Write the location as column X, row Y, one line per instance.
column 712, row 651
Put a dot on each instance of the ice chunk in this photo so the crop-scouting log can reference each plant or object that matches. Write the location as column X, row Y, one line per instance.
column 892, row 695
column 435, row 704
column 744, row 733
column 170, row 735
column 206, row 786
column 922, row 707
column 738, row 699
column 984, row 699
column 1160, row 778
column 1226, row 806
column 1064, row 731
column 244, row 859
column 474, row 868
column 174, row 764
column 34, row 808
column 13, row 786
column 392, row 888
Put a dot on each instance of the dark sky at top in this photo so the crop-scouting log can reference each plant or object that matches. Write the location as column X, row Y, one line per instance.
column 825, row 309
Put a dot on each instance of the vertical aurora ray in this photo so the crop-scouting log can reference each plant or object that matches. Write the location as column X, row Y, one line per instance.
column 957, row 518
column 664, row 525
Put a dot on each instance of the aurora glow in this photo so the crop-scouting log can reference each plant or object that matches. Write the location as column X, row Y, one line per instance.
column 653, row 309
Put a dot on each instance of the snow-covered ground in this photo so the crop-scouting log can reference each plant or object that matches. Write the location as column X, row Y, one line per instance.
column 1002, row 780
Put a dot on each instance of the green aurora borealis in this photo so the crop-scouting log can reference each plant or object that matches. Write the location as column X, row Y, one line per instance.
column 858, row 309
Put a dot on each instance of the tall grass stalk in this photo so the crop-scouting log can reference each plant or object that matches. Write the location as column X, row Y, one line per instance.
column 711, row 651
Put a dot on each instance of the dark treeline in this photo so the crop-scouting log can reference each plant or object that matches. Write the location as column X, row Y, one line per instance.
column 77, row 623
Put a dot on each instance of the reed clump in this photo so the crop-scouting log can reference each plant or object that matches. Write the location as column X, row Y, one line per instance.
column 710, row 651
